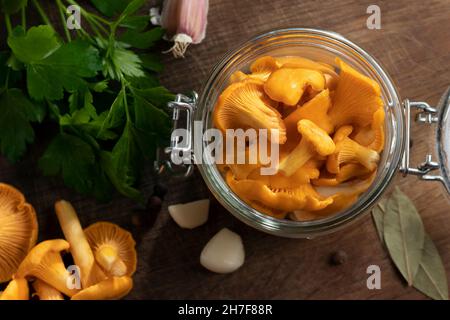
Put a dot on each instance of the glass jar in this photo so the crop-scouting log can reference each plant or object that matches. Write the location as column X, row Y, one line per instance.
column 323, row 46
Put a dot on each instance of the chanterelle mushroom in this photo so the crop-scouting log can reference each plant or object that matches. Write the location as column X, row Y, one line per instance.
column 79, row 246
column 110, row 289
column 113, row 247
column 17, row 289
column 45, row 291
column 315, row 141
column 44, row 262
column 18, row 230
column 244, row 105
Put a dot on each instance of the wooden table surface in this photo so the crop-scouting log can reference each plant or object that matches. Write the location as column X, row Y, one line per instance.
column 413, row 45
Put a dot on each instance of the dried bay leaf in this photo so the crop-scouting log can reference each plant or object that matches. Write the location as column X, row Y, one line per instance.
column 378, row 218
column 403, row 234
column 431, row 279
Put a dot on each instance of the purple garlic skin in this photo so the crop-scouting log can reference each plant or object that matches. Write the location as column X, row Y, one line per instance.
column 185, row 23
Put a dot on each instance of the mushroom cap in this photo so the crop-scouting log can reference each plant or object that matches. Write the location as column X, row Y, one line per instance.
column 106, row 234
column 110, row 289
column 288, row 84
column 356, row 99
column 44, row 262
column 244, row 105
column 316, row 136
column 17, row 289
column 18, row 230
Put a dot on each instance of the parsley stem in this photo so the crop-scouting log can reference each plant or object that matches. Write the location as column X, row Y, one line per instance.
column 24, row 18
column 8, row 23
column 125, row 102
column 42, row 14
column 91, row 19
column 63, row 19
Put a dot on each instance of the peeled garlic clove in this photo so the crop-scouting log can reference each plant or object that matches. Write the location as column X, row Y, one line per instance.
column 190, row 215
column 224, row 253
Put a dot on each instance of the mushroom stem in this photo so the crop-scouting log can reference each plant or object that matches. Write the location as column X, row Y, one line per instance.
column 110, row 289
column 45, row 291
column 79, row 246
column 17, row 289
column 108, row 258
column 297, row 158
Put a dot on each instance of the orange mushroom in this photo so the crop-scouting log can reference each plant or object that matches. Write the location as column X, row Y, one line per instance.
column 314, row 110
column 113, row 288
column 113, row 248
column 315, row 141
column 44, row 262
column 356, row 98
column 17, row 289
column 301, row 197
column 288, row 84
column 18, row 230
column 349, row 151
column 244, row 105
column 373, row 136
column 45, row 291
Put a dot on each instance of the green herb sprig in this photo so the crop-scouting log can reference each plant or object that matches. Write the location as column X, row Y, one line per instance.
column 97, row 83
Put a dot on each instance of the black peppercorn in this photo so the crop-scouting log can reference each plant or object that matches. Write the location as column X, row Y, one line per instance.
column 338, row 258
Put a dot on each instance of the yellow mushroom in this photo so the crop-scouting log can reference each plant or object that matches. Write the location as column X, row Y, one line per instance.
column 301, row 197
column 314, row 141
column 262, row 67
column 288, row 84
column 244, row 105
column 314, row 110
column 113, row 247
column 17, row 289
column 44, row 262
column 347, row 172
column 112, row 288
column 304, row 63
column 79, row 246
column 18, row 230
column 343, row 197
column 356, row 98
column 45, row 291
column 373, row 136
column 349, row 151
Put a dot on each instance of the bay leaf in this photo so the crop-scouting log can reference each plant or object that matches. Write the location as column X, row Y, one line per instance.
column 378, row 220
column 403, row 234
column 431, row 279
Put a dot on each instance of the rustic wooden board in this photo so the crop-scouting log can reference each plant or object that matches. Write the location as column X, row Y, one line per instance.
column 413, row 45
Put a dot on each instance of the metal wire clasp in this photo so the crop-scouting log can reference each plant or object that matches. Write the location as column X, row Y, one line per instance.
column 188, row 105
column 426, row 115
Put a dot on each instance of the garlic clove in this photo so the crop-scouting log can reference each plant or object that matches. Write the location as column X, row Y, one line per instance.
column 224, row 253
column 190, row 215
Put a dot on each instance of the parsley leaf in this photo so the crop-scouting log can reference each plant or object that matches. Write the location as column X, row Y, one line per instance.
column 123, row 163
column 142, row 40
column 71, row 157
column 12, row 6
column 110, row 7
column 15, row 129
column 53, row 67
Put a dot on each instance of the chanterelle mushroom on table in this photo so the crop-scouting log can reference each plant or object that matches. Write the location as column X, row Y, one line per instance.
column 18, row 230
column 44, row 262
column 113, row 247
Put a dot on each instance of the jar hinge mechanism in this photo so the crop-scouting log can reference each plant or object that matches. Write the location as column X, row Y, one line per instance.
column 179, row 147
column 426, row 115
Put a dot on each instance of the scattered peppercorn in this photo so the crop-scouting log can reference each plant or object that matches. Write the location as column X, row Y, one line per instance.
column 338, row 258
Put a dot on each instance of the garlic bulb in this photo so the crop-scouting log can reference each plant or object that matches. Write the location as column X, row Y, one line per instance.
column 185, row 21
column 224, row 253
